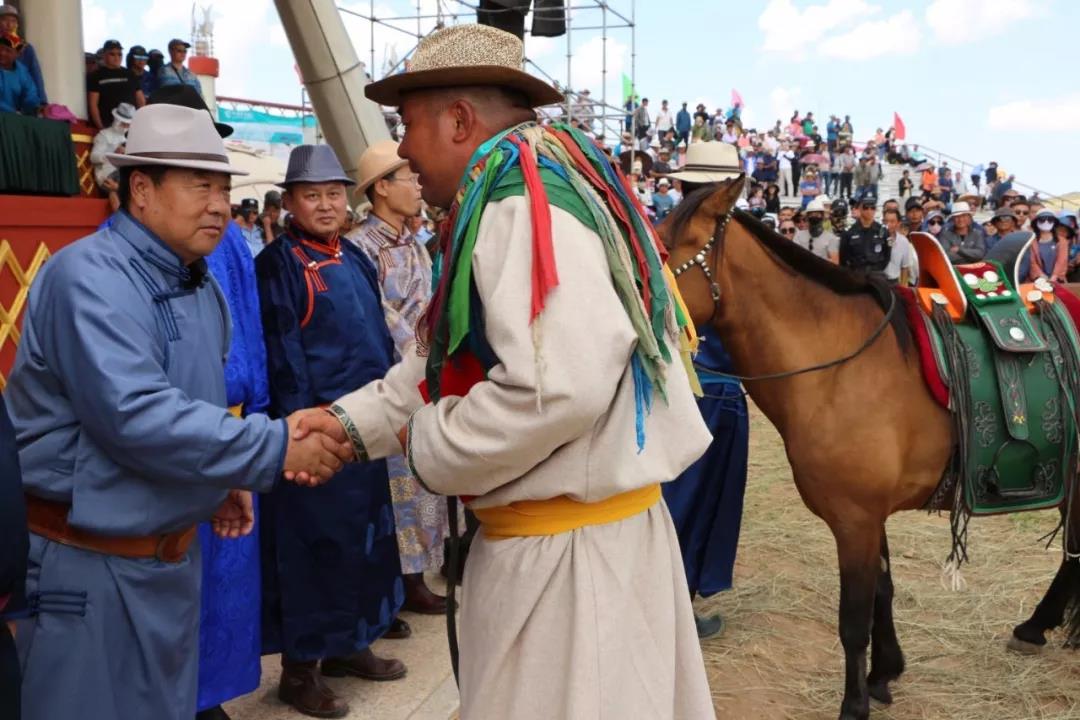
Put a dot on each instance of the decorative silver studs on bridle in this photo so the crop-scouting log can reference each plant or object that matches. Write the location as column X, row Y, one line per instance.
column 701, row 259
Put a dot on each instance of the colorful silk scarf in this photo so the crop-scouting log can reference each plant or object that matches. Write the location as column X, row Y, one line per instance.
column 604, row 202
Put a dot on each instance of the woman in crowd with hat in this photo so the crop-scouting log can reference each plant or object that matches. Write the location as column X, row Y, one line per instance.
column 331, row 572
column 404, row 266
column 706, row 500
column 556, row 406
column 25, row 53
column 1049, row 254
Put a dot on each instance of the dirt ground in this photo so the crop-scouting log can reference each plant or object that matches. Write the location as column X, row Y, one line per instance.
column 780, row 657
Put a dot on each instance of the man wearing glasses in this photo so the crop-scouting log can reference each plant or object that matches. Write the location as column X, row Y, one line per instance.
column 812, row 235
column 175, row 72
column 110, row 85
column 404, row 266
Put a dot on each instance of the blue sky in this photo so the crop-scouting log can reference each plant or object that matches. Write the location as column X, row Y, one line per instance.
column 977, row 79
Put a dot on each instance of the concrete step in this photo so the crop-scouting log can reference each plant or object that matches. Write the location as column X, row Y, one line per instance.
column 428, row 692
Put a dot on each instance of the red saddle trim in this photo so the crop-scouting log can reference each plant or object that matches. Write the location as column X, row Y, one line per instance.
column 931, row 373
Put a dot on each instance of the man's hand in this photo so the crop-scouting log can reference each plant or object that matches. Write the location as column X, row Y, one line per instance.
column 236, row 516
column 318, row 447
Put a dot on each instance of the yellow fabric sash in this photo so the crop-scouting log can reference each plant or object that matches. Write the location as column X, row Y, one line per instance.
column 237, row 410
column 529, row 518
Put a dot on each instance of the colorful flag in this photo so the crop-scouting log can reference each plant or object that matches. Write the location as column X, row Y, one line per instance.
column 627, row 87
column 736, row 98
column 898, row 125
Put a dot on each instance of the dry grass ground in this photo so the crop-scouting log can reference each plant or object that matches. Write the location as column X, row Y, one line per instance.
column 780, row 657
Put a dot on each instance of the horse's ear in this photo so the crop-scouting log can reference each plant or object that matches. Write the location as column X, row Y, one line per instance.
column 720, row 202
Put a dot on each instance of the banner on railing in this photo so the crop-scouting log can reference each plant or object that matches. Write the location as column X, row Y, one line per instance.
column 263, row 127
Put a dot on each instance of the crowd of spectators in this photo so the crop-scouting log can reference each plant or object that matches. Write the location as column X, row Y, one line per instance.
column 803, row 183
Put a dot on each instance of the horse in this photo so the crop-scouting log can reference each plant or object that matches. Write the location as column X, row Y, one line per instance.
column 826, row 354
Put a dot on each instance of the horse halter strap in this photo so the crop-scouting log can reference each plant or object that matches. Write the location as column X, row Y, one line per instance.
column 701, row 259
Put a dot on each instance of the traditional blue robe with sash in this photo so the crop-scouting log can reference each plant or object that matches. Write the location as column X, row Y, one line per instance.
column 118, row 401
column 229, row 641
column 331, row 572
column 14, row 545
column 706, row 501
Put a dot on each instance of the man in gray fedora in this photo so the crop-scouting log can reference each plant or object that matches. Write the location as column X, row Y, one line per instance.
column 118, row 401
column 332, row 580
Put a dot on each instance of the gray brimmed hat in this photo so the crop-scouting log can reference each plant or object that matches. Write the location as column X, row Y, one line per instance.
column 709, row 162
column 174, row 136
column 314, row 164
column 124, row 112
column 465, row 55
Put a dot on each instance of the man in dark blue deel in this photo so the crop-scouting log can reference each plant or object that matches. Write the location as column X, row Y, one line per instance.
column 14, row 546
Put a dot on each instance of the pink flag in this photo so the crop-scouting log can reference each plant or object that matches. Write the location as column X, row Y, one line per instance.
column 736, row 98
column 898, row 126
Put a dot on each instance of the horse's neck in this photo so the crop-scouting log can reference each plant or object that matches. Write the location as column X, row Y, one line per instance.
column 774, row 320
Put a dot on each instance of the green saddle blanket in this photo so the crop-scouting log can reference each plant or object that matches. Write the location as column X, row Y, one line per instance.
column 1012, row 397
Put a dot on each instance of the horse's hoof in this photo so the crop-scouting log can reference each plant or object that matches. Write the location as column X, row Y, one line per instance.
column 708, row 626
column 879, row 692
column 855, row 714
column 1023, row 647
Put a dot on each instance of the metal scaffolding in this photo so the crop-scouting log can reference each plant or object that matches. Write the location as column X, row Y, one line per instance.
column 604, row 117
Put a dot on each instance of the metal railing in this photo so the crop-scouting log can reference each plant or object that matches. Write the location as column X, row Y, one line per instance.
column 964, row 168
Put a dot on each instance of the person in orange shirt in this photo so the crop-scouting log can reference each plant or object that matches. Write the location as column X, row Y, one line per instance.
column 929, row 180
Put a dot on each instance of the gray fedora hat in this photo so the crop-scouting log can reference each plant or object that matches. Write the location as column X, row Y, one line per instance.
column 174, row 136
column 314, row 164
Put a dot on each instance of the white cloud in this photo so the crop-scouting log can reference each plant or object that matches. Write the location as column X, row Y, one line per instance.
column 961, row 21
column 538, row 47
column 99, row 24
column 791, row 31
column 784, row 101
column 898, row 34
column 1050, row 115
column 176, row 16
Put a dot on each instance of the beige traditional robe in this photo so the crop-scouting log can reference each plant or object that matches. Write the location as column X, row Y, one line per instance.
column 591, row 624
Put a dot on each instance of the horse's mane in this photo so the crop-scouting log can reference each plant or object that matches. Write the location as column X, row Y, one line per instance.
column 840, row 280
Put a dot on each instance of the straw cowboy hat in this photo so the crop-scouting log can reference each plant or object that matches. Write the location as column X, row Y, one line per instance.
column 465, row 55
column 174, row 136
column 709, row 162
column 378, row 161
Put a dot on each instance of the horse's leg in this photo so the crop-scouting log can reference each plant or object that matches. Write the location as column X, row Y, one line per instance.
column 1029, row 637
column 858, row 546
column 887, row 661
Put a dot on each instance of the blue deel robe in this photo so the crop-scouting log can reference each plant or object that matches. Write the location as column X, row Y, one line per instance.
column 229, row 630
column 118, row 401
column 706, row 501
column 331, row 574
column 14, row 545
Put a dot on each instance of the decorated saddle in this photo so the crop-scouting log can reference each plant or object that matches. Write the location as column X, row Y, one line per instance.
column 1005, row 360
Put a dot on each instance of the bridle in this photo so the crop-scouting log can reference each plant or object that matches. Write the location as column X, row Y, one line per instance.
column 711, row 255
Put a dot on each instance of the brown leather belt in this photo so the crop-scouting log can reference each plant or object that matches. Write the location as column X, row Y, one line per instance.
column 50, row 520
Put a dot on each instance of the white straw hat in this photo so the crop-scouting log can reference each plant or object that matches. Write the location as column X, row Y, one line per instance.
column 709, row 162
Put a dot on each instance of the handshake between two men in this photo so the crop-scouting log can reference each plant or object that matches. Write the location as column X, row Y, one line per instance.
column 317, row 449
